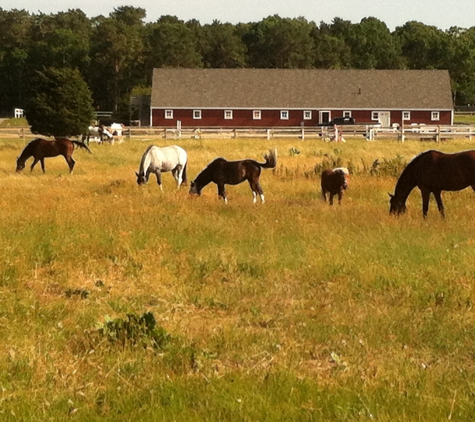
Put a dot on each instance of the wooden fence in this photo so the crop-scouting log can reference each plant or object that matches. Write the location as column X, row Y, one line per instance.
column 370, row 132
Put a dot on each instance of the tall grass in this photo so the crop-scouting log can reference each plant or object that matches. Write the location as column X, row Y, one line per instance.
column 291, row 310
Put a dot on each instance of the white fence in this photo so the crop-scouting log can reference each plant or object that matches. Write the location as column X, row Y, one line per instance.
column 370, row 132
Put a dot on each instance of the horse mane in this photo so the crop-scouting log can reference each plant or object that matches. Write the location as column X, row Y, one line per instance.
column 28, row 148
column 142, row 161
column 342, row 170
column 406, row 183
column 219, row 159
column 408, row 169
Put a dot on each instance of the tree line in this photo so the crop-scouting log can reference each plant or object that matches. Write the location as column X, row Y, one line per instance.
column 108, row 59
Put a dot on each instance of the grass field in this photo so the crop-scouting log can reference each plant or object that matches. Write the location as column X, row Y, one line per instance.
column 121, row 303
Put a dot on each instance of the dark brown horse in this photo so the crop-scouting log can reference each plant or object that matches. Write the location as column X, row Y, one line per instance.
column 40, row 149
column 334, row 182
column 433, row 172
column 223, row 172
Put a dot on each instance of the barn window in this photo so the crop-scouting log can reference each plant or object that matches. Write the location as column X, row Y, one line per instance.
column 256, row 115
column 307, row 115
column 168, row 114
column 347, row 114
column 406, row 115
column 284, row 115
column 196, row 114
column 375, row 115
column 228, row 114
column 435, row 115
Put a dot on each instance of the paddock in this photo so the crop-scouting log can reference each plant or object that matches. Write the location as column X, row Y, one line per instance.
column 290, row 309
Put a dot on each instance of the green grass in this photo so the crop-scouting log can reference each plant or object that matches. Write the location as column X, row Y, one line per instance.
column 291, row 310
column 20, row 122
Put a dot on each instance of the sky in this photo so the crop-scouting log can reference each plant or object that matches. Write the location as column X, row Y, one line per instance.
column 441, row 14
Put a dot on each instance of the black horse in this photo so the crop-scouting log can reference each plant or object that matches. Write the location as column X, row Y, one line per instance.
column 223, row 172
column 334, row 182
column 40, row 149
column 433, row 172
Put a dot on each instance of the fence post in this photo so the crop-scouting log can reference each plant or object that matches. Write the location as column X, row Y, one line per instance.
column 268, row 133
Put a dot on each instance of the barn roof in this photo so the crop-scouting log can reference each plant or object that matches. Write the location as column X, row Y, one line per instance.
column 301, row 88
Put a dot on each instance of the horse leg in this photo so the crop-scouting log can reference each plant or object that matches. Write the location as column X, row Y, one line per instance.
column 440, row 205
column 159, row 179
column 222, row 193
column 425, row 193
column 331, row 195
column 70, row 161
column 256, row 189
column 42, row 162
column 340, row 195
column 177, row 174
column 324, row 195
column 71, row 164
column 35, row 160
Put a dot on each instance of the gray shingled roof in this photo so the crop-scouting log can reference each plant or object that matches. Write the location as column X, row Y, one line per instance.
column 301, row 88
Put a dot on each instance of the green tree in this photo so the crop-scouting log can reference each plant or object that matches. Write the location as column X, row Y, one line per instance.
column 222, row 47
column 171, row 43
column 422, row 46
column 61, row 48
column 461, row 64
column 60, row 103
column 116, row 56
column 331, row 49
column 373, row 46
column 14, row 46
column 275, row 42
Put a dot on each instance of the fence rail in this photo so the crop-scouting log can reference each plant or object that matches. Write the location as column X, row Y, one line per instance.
column 338, row 133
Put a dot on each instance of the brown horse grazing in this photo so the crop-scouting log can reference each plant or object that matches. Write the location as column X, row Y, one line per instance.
column 223, row 172
column 334, row 182
column 433, row 172
column 40, row 149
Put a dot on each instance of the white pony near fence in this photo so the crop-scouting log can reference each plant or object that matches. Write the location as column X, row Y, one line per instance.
column 117, row 130
column 160, row 160
column 98, row 134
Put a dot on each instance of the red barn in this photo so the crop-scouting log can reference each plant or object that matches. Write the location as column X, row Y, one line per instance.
column 298, row 97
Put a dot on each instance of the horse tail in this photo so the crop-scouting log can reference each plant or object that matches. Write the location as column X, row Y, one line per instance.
column 271, row 159
column 183, row 176
column 82, row 145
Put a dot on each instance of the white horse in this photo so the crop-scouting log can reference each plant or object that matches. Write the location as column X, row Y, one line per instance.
column 117, row 130
column 160, row 160
column 98, row 134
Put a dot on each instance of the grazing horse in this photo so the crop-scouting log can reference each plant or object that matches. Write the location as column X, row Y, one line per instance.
column 160, row 160
column 40, row 149
column 99, row 133
column 433, row 172
column 334, row 182
column 222, row 172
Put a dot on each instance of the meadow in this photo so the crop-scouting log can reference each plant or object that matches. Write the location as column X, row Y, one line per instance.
column 122, row 303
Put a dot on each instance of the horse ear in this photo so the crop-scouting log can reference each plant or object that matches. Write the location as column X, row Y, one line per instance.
column 136, row 174
column 391, row 196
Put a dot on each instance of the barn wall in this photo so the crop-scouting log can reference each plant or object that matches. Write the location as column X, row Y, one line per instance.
column 271, row 118
column 241, row 118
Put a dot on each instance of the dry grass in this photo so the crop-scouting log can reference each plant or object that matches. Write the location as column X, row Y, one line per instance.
column 292, row 310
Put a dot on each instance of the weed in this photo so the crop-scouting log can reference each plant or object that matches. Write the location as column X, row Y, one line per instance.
column 135, row 331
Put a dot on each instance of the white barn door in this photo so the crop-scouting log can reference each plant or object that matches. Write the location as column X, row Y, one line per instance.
column 384, row 118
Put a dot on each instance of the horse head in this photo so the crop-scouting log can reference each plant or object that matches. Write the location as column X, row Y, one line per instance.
column 194, row 189
column 396, row 205
column 343, row 177
column 141, row 178
column 20, row 165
